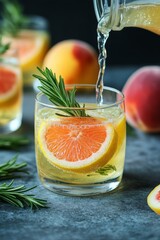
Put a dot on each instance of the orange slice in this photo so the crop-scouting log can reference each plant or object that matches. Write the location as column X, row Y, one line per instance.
column 31, row 46
column 79, row 144
column 153, row 199
column 9, row 81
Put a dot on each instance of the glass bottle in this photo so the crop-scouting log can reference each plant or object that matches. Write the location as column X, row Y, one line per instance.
column 117, row 14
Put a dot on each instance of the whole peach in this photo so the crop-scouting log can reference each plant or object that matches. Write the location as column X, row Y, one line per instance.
column 142, row 98
column 76, row 61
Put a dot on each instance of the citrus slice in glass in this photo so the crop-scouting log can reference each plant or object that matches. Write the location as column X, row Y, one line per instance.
column 79, row 144
column 120, row 127
column 9, row 82
column 153, row 199
column 31, row 45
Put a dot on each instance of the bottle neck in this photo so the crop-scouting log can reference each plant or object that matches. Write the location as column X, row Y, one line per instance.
column 108, row 14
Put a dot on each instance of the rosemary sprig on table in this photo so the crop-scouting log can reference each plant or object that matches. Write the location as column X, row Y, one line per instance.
column 12, row 169
column 3, row 46
column 13, row 19
column 16, row 196
column 13, row 142
column 56, row 92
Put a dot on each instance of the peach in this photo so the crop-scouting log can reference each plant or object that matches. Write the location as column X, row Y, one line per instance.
column 142, row 98
column 76, row 61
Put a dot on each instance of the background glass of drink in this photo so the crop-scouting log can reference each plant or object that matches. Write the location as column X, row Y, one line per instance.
column 10, row 92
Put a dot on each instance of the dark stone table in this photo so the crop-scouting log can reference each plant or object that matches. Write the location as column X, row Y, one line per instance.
column 122, row 214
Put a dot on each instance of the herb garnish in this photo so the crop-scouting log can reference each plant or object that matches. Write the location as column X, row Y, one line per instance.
column 104, row 170
column 56, row 92
column 17, row 197
column 11, row 169
column 13, row 142
column 3, row 46
column 13, row 19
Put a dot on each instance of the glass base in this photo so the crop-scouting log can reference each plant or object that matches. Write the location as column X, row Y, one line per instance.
column 81, row 190
column 11, row 126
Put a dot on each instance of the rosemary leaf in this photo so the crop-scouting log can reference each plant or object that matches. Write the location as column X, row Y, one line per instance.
column 57, row 93
column 13, row 19
column 3, row 46
column 17, row 196
column 13, row 141
column 106, row 170
column 130, row 131
column 12, row 169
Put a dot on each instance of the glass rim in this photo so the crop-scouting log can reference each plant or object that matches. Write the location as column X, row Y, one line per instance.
column 111, row 89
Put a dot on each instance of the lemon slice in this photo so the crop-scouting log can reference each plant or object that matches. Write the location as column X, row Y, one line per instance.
column 77, row 144
column 153, row 199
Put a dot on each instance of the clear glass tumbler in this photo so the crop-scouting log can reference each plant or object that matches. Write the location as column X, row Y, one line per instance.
column 81, row 156
column 10, row 92
column 32, row 42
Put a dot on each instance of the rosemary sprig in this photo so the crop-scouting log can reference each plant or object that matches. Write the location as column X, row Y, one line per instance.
column 12, row 169
column 56, row 92
column 13, row 19
column 16, row 196
column 130, row 131
column 106, row 170
column 3, row 46
column 13, row 141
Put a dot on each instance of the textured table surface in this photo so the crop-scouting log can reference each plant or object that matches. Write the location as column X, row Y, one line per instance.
column 122, row 214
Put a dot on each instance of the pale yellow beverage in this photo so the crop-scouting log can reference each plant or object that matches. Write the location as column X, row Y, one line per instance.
column 80, row 155
column 134, row 14
column 10, row 93
column 142, row 16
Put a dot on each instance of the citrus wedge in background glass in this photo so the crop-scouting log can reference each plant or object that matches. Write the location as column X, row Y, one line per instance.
column 32, row 46
column 9, row 84
column 10, row 92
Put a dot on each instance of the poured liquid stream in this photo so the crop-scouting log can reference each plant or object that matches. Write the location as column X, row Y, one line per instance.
column 101, row 39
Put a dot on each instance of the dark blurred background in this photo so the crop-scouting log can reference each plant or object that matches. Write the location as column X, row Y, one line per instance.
column 75, row 19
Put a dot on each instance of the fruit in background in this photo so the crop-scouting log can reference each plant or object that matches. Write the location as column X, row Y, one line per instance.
column 142, row 99
column 32, row 46
column 76, row 61
column 153, row 199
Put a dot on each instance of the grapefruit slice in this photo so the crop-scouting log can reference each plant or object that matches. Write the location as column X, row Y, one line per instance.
column 31, row 45
column 153, row 199
column 79, row 144
column 9, row 81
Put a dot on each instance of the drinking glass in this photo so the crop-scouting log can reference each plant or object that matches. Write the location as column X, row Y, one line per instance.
column 81, row 156
column 32, row 42
column 10, row 92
